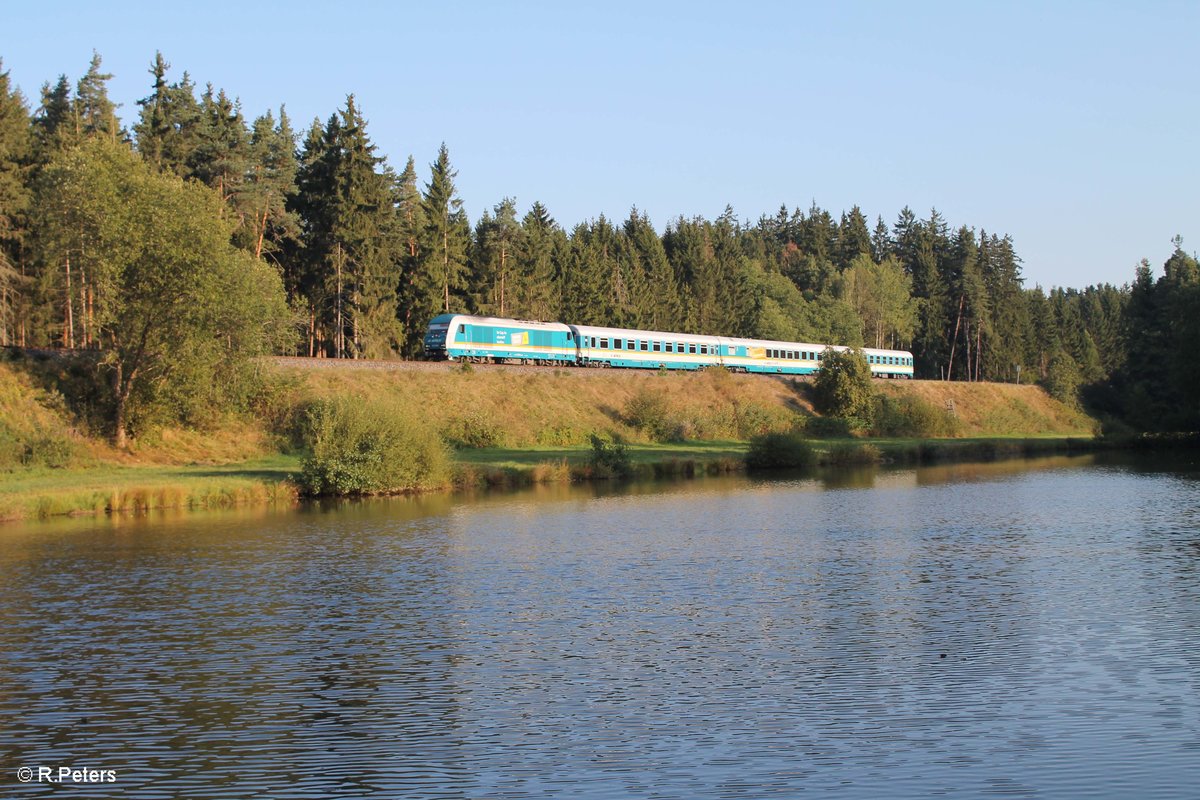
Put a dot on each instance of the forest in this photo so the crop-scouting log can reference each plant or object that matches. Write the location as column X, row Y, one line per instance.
column 177, row 242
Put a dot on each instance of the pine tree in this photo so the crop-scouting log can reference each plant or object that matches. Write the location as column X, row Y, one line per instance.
column 541, row 251
column 269, row 185
column 660, row 306
column 967, row 307
column 54, row 127
column 1009, row 324
column 16, row 157
column 446, row 240
column 412, row 306
column 853, row 238
column 170, row 123
column 881, row 241
column 495, row 270
column 221, row 158
column 95, row 114
column 346, row 203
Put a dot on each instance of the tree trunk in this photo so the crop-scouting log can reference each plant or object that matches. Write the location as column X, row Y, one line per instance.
column 954, row 340
column 69, row 318
column 262, row 232
column 121, row 393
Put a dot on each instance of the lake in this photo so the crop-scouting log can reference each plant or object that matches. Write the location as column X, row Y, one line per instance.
column 1022, row 629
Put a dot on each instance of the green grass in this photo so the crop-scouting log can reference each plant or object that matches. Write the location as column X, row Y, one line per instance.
column 106, row 488
column 42, row 493
column 518, row 457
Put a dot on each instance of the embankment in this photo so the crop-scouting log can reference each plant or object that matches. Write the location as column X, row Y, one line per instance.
column 499, row 417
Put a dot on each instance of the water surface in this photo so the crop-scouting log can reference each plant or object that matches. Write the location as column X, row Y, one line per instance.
column 1010, row 629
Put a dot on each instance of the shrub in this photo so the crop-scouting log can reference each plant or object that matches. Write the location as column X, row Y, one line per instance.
column 609, row 458
column 910, row 416
column 852, row 455
column 359, row 448
column 843, row 385
column 648, row 413
column 780, row 451
column 559, row 436
column 755, row 419
column 473, row 430
column 832, row 427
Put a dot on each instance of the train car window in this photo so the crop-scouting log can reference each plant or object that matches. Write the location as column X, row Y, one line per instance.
column 462, row 328
column 570, row 336
column 656, row 346
column 692, row 348
column 643, row 346
column 604, row 344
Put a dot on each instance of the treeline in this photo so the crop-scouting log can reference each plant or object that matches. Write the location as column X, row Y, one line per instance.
column 367, row 255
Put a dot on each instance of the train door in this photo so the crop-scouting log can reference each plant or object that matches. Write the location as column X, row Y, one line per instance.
column 579, row 342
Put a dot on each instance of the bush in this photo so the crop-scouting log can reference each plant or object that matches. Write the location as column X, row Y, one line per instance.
column 755, row 419
column 359, row 448
column 609, row 458
column 911, row 417
column 843, row 385
column 852, row 455
column 832, row 427
column 473, row 430
column 648, row 413
column 780, row 451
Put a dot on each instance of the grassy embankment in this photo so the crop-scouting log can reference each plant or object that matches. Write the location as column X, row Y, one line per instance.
column 507, row 428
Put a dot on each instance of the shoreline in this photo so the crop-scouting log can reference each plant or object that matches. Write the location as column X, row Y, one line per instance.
column 118, row 491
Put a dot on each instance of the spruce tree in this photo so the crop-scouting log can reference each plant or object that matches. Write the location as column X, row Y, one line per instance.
column 445, row 242
column 16, row 157
column 95, row 113
column 541, row 251
column 412, row 306
column 170, row 123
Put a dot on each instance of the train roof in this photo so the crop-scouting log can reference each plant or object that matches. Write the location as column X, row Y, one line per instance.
column 634, row 333
column 499, row 321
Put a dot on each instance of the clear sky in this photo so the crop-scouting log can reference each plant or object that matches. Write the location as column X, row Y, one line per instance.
column 1072, row 126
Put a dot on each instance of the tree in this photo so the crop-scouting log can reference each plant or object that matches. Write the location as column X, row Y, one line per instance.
column 15, row 163
column 881, row 296
column 175, row 301
column 660, row 307
column 170, row 122
column 95, row 114
column 410, row 230
column 346, row 202
column 269, row 185
column 853, row 238
column 495, row 260
column 843, row 385
column 540, row 254
column 447, row 237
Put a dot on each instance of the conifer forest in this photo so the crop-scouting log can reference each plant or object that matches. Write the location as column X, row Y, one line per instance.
column 189, row 228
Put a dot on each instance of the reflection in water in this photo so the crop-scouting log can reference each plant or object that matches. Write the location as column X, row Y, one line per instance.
column 966, row 630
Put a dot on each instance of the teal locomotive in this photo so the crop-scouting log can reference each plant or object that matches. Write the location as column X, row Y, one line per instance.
column 461, row 337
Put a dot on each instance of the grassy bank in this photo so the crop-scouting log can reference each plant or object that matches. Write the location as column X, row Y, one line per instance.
column 500, row 428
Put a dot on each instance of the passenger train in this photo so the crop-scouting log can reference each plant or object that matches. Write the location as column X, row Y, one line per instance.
column 459, row 337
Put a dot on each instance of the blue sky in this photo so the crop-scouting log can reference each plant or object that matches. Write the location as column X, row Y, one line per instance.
column 1072, row 126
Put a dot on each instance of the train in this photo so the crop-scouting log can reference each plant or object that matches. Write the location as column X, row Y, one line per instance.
column 463, row 337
